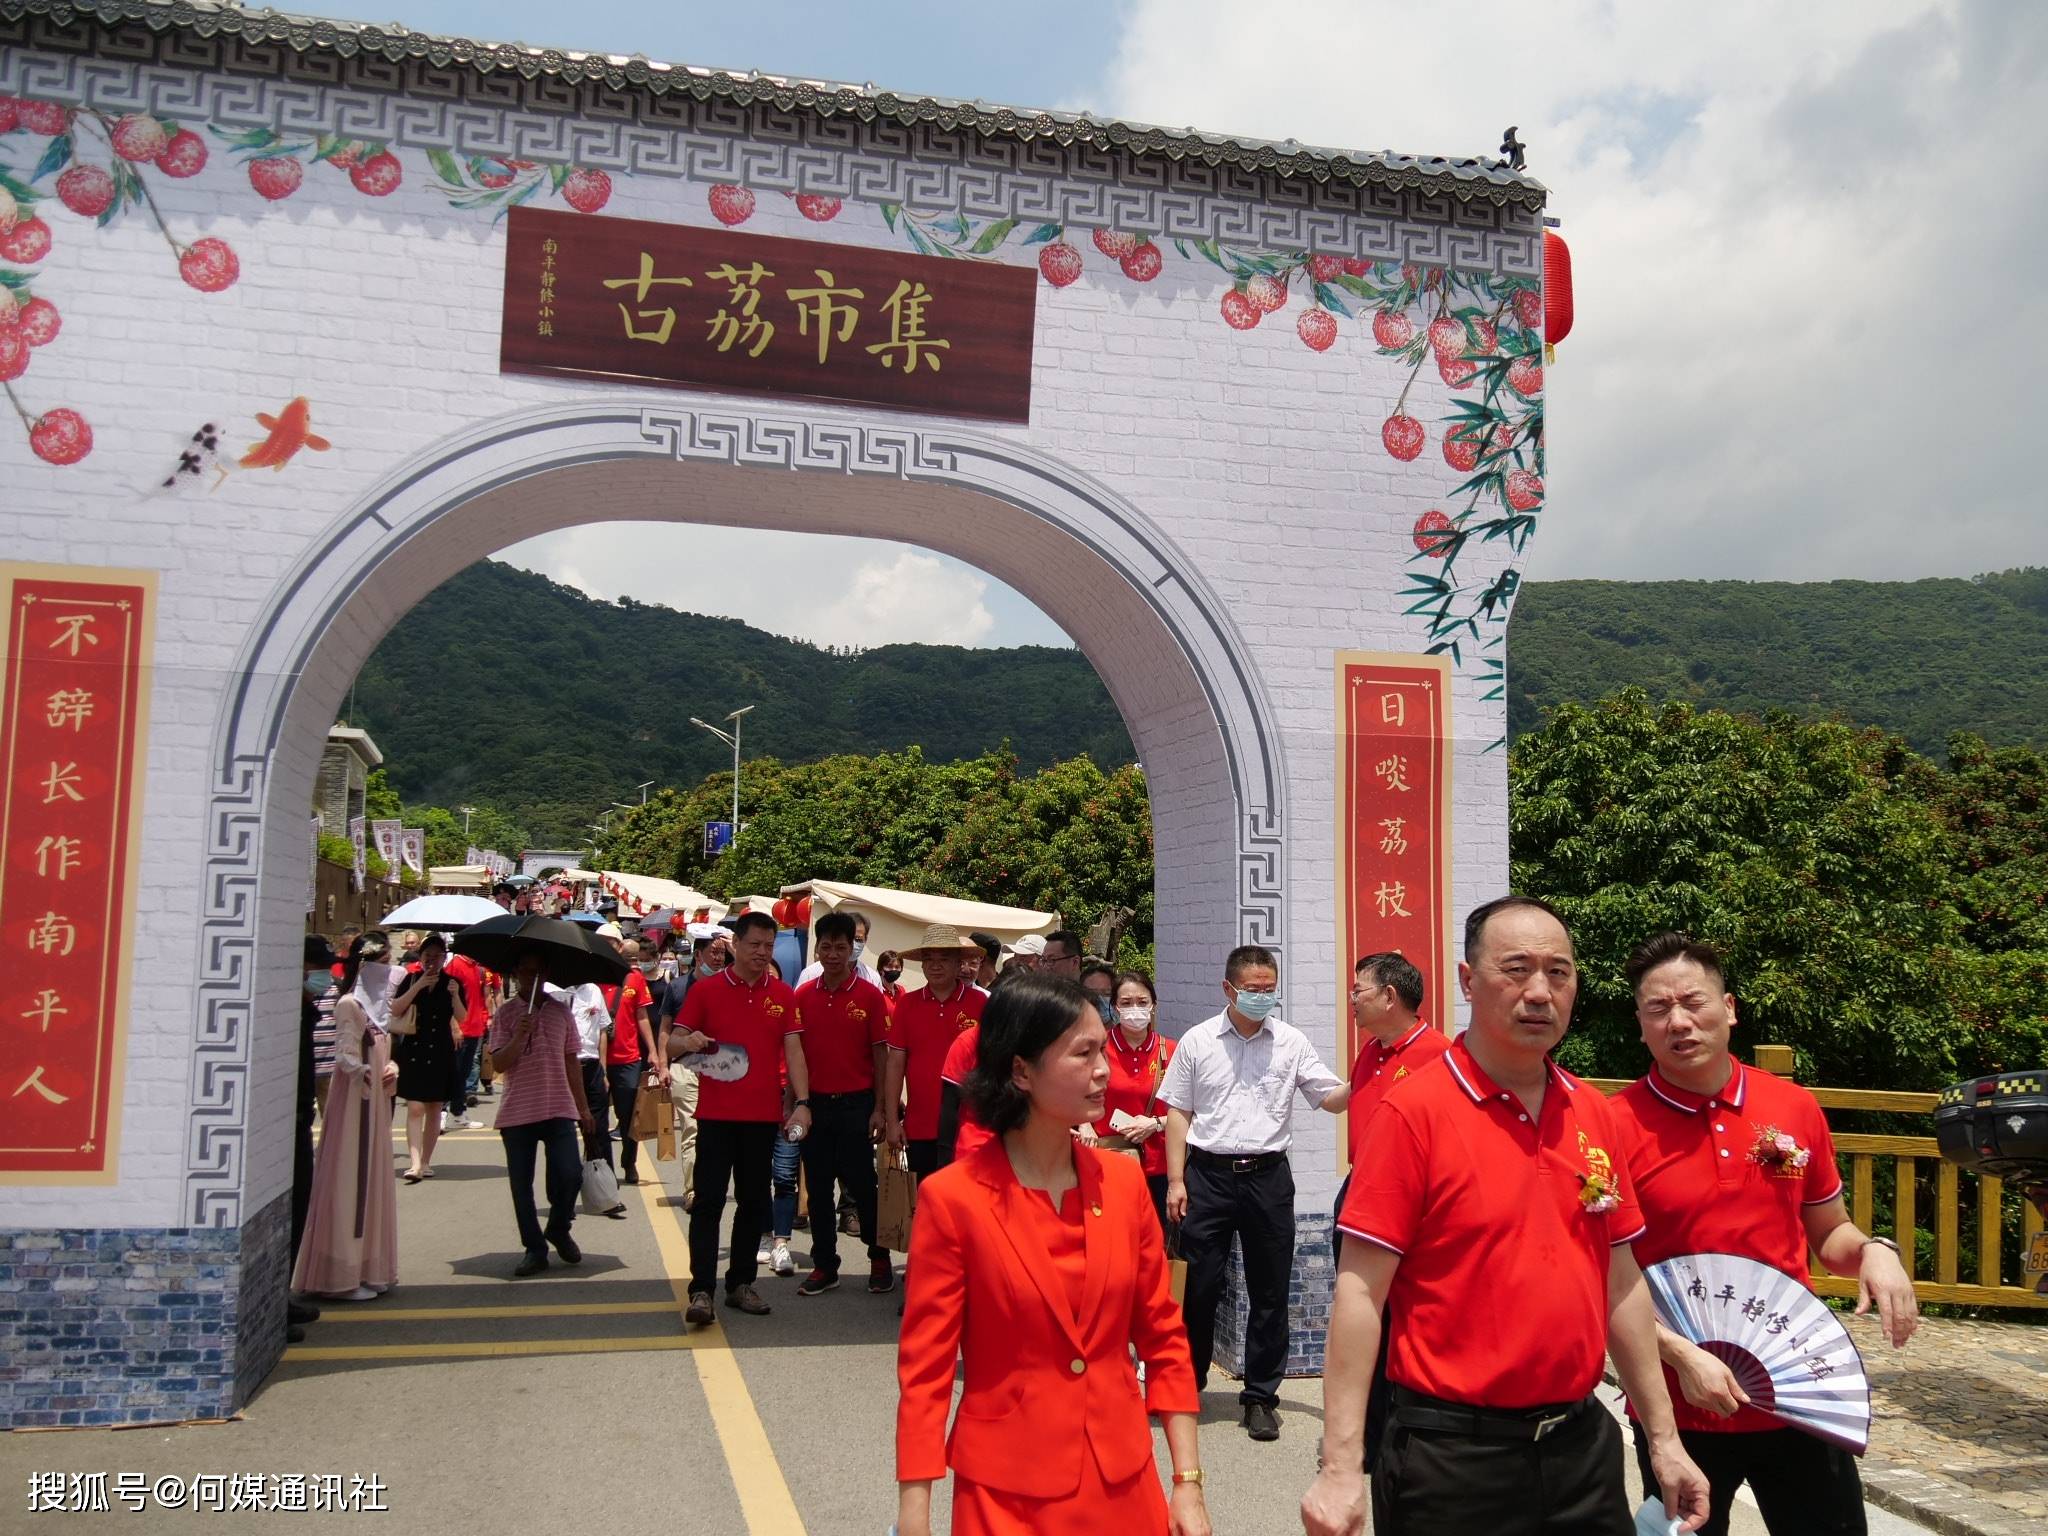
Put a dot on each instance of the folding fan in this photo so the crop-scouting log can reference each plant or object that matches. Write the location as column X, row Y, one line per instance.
column 1787, row 1350
column 722, row 1063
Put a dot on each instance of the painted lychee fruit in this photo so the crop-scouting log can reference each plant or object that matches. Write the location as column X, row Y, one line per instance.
column 818, row 208
column 1325, row 268
column 495, row 175
column 1403, row 436
column 13, row 353
column 730, row 204
column 87, row 190
column 1430, row 531
column 1116, row 244
column 1143, row 263
column 1269, row 293
column 27, row 242
column 1239, row 312
column 1317, row 329
column 60, row 437
column 1392, row 329
column 1525, row 376
column 1059, row 264
column 276, row 177
column 48, row 118
column 1461, row 450
column 184, row 156
column 39, row 322
column 139, row 138
column 1447, row 336
column 1356, row 266
column 10, row 114
column 1529, row 308
column 10, row 210
column 1524, row 489
column 586, row 190
column 379, row 175
column 1455, row 371
column 209, row 265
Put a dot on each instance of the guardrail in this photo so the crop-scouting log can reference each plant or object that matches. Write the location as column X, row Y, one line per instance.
column 1999, row 1278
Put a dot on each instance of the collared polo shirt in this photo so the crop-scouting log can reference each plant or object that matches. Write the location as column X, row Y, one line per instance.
column 626, row 1001
column 842, row 1027
column 1379, row 1067
column 757, row 1018
column 1703, row 1188
column 1238, row 1092
column 1500, row 1300
column 960, row 1059
column 924, row 1030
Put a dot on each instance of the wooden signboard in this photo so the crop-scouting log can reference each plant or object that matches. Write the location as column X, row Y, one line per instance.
column 72, row 749
column 599, row 298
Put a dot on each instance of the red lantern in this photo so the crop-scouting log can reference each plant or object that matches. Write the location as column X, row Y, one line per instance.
column 803, row 914
column 784, row 913
column 676, row 923
column 1557, row 288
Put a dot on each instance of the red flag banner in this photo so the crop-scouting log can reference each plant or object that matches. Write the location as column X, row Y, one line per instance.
column 1394, row 823
column 73, row 727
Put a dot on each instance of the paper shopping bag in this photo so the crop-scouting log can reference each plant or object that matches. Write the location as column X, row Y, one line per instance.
column 665, row 1142
column 1176, row 1266
column 651, row 1111
column 895, row 1200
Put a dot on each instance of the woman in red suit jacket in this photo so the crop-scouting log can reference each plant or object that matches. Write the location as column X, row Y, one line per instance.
column 1040, row 1263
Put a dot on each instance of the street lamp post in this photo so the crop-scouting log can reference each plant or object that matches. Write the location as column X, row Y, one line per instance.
column 643, row 788
column 467, row 812
column 731, row 739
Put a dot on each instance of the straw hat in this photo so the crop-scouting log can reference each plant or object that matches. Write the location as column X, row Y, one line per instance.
column 942, row 938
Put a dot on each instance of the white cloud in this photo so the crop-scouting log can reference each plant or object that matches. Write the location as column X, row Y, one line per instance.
column 828, row 590
column 1805, row 242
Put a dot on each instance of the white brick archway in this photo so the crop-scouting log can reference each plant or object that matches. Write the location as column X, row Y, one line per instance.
column 1093, row 562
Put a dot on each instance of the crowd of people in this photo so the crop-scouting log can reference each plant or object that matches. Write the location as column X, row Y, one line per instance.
column 1490, row 1237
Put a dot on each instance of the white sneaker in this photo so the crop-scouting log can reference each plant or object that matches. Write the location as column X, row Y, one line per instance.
column 785, row 1262
column 763, row 1256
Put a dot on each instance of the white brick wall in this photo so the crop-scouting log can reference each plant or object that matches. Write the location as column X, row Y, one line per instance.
column 1259, row 461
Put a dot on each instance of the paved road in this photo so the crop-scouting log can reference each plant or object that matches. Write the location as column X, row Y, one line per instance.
column 574, row 1401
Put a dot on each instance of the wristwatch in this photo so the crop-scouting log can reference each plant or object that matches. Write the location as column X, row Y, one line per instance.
column 1191, row 1475
column 801, row 1104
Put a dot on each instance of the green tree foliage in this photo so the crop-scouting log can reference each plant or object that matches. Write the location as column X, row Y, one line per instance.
column 1070, row 838
column 1920, row 658
column 503, row 686
column 1832, row 866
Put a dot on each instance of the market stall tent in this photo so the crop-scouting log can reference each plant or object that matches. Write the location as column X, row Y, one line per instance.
column 898, row 919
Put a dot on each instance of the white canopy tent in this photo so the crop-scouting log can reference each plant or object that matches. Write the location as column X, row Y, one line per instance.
column 459, row 877
column 638, row 894
column 898, row 919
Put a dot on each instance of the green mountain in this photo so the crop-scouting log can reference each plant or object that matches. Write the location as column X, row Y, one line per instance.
column 506, row 688
column 1919, row 658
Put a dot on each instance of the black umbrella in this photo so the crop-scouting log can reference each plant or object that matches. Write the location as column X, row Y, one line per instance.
column 569, row 955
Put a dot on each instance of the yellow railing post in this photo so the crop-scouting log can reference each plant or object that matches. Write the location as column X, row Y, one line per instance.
column 1946, row 1219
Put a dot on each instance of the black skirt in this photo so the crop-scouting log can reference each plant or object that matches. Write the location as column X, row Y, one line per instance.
column 426, row 1058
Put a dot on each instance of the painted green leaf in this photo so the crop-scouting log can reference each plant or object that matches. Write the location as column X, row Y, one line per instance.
column 55, row 157
column 1046, row 232
column 445, row 167
column 993, row 236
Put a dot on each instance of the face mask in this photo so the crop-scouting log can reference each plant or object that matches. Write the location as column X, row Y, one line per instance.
column 1257, row 1005
column 858, row 946
column 1135, row 1015
column 318, row 982
column 892, row 977
column 649, row 967
column 373, row 989
column 1103, row 1009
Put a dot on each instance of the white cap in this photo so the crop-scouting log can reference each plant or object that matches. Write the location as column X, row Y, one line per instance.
column 1030, row 944
column 609, row 931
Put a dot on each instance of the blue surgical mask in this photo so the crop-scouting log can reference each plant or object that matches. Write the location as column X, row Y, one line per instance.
column 318, row 982
column 858, row 946
column 1257, row 1006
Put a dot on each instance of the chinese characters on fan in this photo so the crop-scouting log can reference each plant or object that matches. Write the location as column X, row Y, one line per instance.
column 744, row 314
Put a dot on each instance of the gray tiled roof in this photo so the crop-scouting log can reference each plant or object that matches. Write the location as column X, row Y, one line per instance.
column 1466, row 180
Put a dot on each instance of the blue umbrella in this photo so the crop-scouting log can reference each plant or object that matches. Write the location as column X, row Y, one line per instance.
column 586, row 919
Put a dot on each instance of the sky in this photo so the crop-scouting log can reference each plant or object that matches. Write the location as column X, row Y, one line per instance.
column 1806, row 344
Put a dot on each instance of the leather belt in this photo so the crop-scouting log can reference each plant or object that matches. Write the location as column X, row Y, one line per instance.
column 1416, row 1410
column 1233, row 1162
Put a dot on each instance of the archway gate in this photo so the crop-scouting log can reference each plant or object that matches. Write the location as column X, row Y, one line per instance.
column 1281, row 454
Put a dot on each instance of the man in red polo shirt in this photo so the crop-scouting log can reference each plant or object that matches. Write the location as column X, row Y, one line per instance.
column 749, row 1006
column 1705, row 1140
column 926, row 1024
column 476, row 984
column 1386, row 1005
column 629, row 1049
column 1492, row 1215
column 846, row 1042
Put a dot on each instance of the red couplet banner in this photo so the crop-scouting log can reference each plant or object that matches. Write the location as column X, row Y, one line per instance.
column 73, row 723
column 628, row 299
column 1394, row 822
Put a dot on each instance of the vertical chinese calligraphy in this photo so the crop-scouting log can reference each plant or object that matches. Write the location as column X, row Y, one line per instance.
column 632, row 300
column 76, row 653
column 1393, row 820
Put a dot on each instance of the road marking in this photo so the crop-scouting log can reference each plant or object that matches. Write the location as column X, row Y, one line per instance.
column 438, row 1314
column 440, row 1351
column 765, row 1500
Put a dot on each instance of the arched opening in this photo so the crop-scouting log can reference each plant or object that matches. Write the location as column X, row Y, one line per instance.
column 1092, row 562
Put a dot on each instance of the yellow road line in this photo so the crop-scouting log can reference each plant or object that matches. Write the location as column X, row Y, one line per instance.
column 439, row 1314
column 765, row 1500
column 437, row 1351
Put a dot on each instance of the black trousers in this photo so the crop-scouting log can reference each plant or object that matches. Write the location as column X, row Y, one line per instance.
column 1257, row 1208
column 523, row 1144
column 921, row 1157
column 1803, row 1485
column 735, row 1153
column 838, row 1153
column 623, row 1083
column 597, row 1091
column 465, row 1063
column 1426, row 1482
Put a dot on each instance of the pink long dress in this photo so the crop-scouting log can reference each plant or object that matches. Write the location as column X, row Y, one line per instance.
column 351, row 1236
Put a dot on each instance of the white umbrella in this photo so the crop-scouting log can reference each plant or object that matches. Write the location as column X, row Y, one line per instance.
column 448, row 911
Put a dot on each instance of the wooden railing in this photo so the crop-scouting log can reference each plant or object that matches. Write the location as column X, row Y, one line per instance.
column 1997, row 1280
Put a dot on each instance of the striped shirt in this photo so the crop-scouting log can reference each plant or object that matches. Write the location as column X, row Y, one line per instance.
column 538, row 1088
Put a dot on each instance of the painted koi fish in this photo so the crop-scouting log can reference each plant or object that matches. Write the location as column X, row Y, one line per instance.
column 290, row 430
